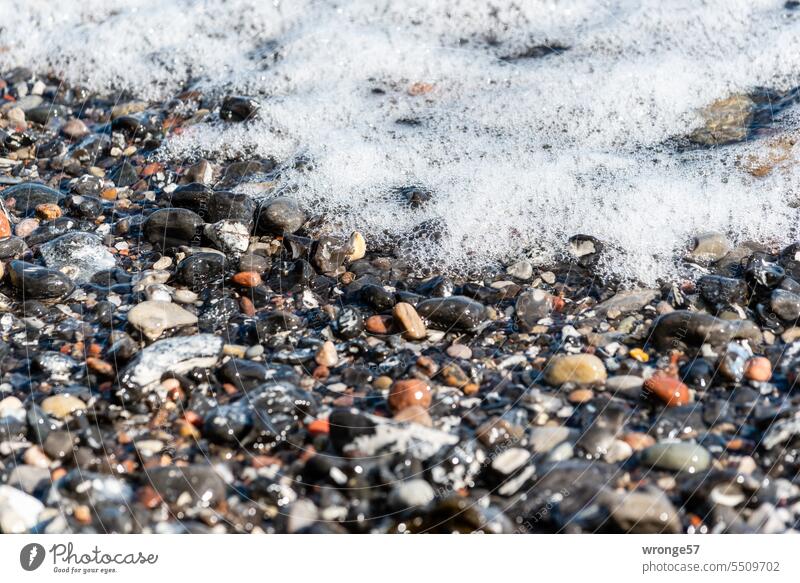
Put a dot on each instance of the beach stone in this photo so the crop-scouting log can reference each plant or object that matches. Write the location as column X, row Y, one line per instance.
column 454, row 312
column 785, row 304
column 667, row 389
column 28, row 195
column 62, row 406
column 35, row 282
column 725, row 121
column 238, row 108
column 358, row 245
column 172, row 227
column 459, row 351
column 644, row 513
column 758, row 369
column 414, row 414
column 627, row 301
column 179, row 355
column 201, row 270
column 722, row 291
column 522, row 270
column 77, row 254
column 326, row 355
column 709, row 247
column 409, row 321
column 224, row 205
column 544, row 439
column 75, row 129
column 683, row 327
column 349, row 323
column 247, row 279
column 575, row 368
column 187, row 486
column 152, row 318
column 19, row 511
column 379, row 324
column 532, row 306
column 229, row 236
column 280, row 215
column 677, row 456
column 408, row 393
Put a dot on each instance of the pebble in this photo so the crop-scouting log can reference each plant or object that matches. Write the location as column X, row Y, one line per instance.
column 247, row 279
column 645, row 513
column 172, row 227
column 627, row 301
column 681, row 328
column 582, row 369
column 378, row 324
column 358, row 245
column 667, row 389
column 709, row 247
column 411, row 494
column 785, row 304
column 238, row 108
column 758, row 369
column 522, row 270
column 533, row 306
column 459, row 351
column 78, row 255
column 280, row 215
column 414, row 414
column 326, row 355
column 677, row 456
column 725, row 121
column 152, row 318
column 35, row 282
column 453, row 313
column 408, row 393
column 409, row 321
column 28, row 195
column 229, row 236
column 62, row 406
column 19, row 511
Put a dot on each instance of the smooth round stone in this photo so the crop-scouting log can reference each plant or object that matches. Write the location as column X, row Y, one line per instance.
column 575, row 368
column 758, row 369
column 543, row 439
column 280, row 215
column 411, row 494
column 454, row 312
column 200, row 270
column 172, row 227
column 254, row 351
column 151, row 318
column 677, row 456
column 252, row 262
column 414, row 414
column 645, row 513
column 669, row 390
column 709, row 247
column 231, row 206
column 532, row 306
column 459, row 351
column 410, row 322
column 79, row 255
column 62, row 406
column 628, row 385
column 521, row 270
column 238, row 108
column 326, row 355
column 185, row 486
column 19, row 511
column 785, row 304
column 409, row 393
column 35, row 282
column 28, row 195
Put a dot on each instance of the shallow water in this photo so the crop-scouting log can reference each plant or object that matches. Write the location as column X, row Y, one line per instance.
column 521, row 146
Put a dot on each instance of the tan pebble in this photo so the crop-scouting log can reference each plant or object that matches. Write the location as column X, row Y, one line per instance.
column 575, row 368
column 406, row 393
column 459, row 351
column 409, row 321
column 235, row 350
column 453, row 375
column 25, row 227
column 82, row 514
column 75, row 129
column 359, row 246
column 382, row 383
column 327, row 356
column 62, row 406
column 638, row 441
column 414, row 414
column 579, row 396
column 34, row 456
column 163, row 263
column 470, row 389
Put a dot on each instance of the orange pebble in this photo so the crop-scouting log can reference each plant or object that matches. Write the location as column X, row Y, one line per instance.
column 48, row 211
column 670, row 390
column 319, row 427
column 379, row 324
column 758, row 368
column 247, row 279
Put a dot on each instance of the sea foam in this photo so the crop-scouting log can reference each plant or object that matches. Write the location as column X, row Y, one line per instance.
column 528, row 121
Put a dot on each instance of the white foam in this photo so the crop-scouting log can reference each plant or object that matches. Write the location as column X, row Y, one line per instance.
column 520, row 155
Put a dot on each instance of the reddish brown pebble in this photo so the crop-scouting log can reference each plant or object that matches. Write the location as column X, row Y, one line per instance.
column 670, row 390
column 48, row 211
column 5, row 224
column 414, row 414
column 758, row 368
column 100, row 366
column 246, row 304
column 379, row 324
column 247, row 279
column 321, row 372
column 409, row 392
column 82, row 514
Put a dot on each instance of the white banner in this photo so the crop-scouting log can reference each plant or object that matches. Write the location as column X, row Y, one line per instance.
column 355, row 558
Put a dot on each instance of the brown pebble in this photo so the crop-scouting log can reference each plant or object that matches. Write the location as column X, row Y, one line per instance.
column 409, row 392
column 579, row 396
column 759, row 369
column 247, row 279
column 246, row 304
column 379, row 324
column 453, row 375
column 409, row 321
column 100, row 366
column 321, row 372
column 414, row 414
column 669, row 390
column 427, row 365
column 5, row 224
column 82, row 514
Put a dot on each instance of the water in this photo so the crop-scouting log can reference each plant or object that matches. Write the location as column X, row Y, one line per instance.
column 530, row 121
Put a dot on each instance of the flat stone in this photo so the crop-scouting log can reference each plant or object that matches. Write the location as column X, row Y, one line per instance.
column 455, row 312
column 645, row 513
column 410, row 322
column 677, row 456
column 575, row 368
column 153, row 317
column 62, row 406
column 627, row 301
column 685, row 328
column 709, row 247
